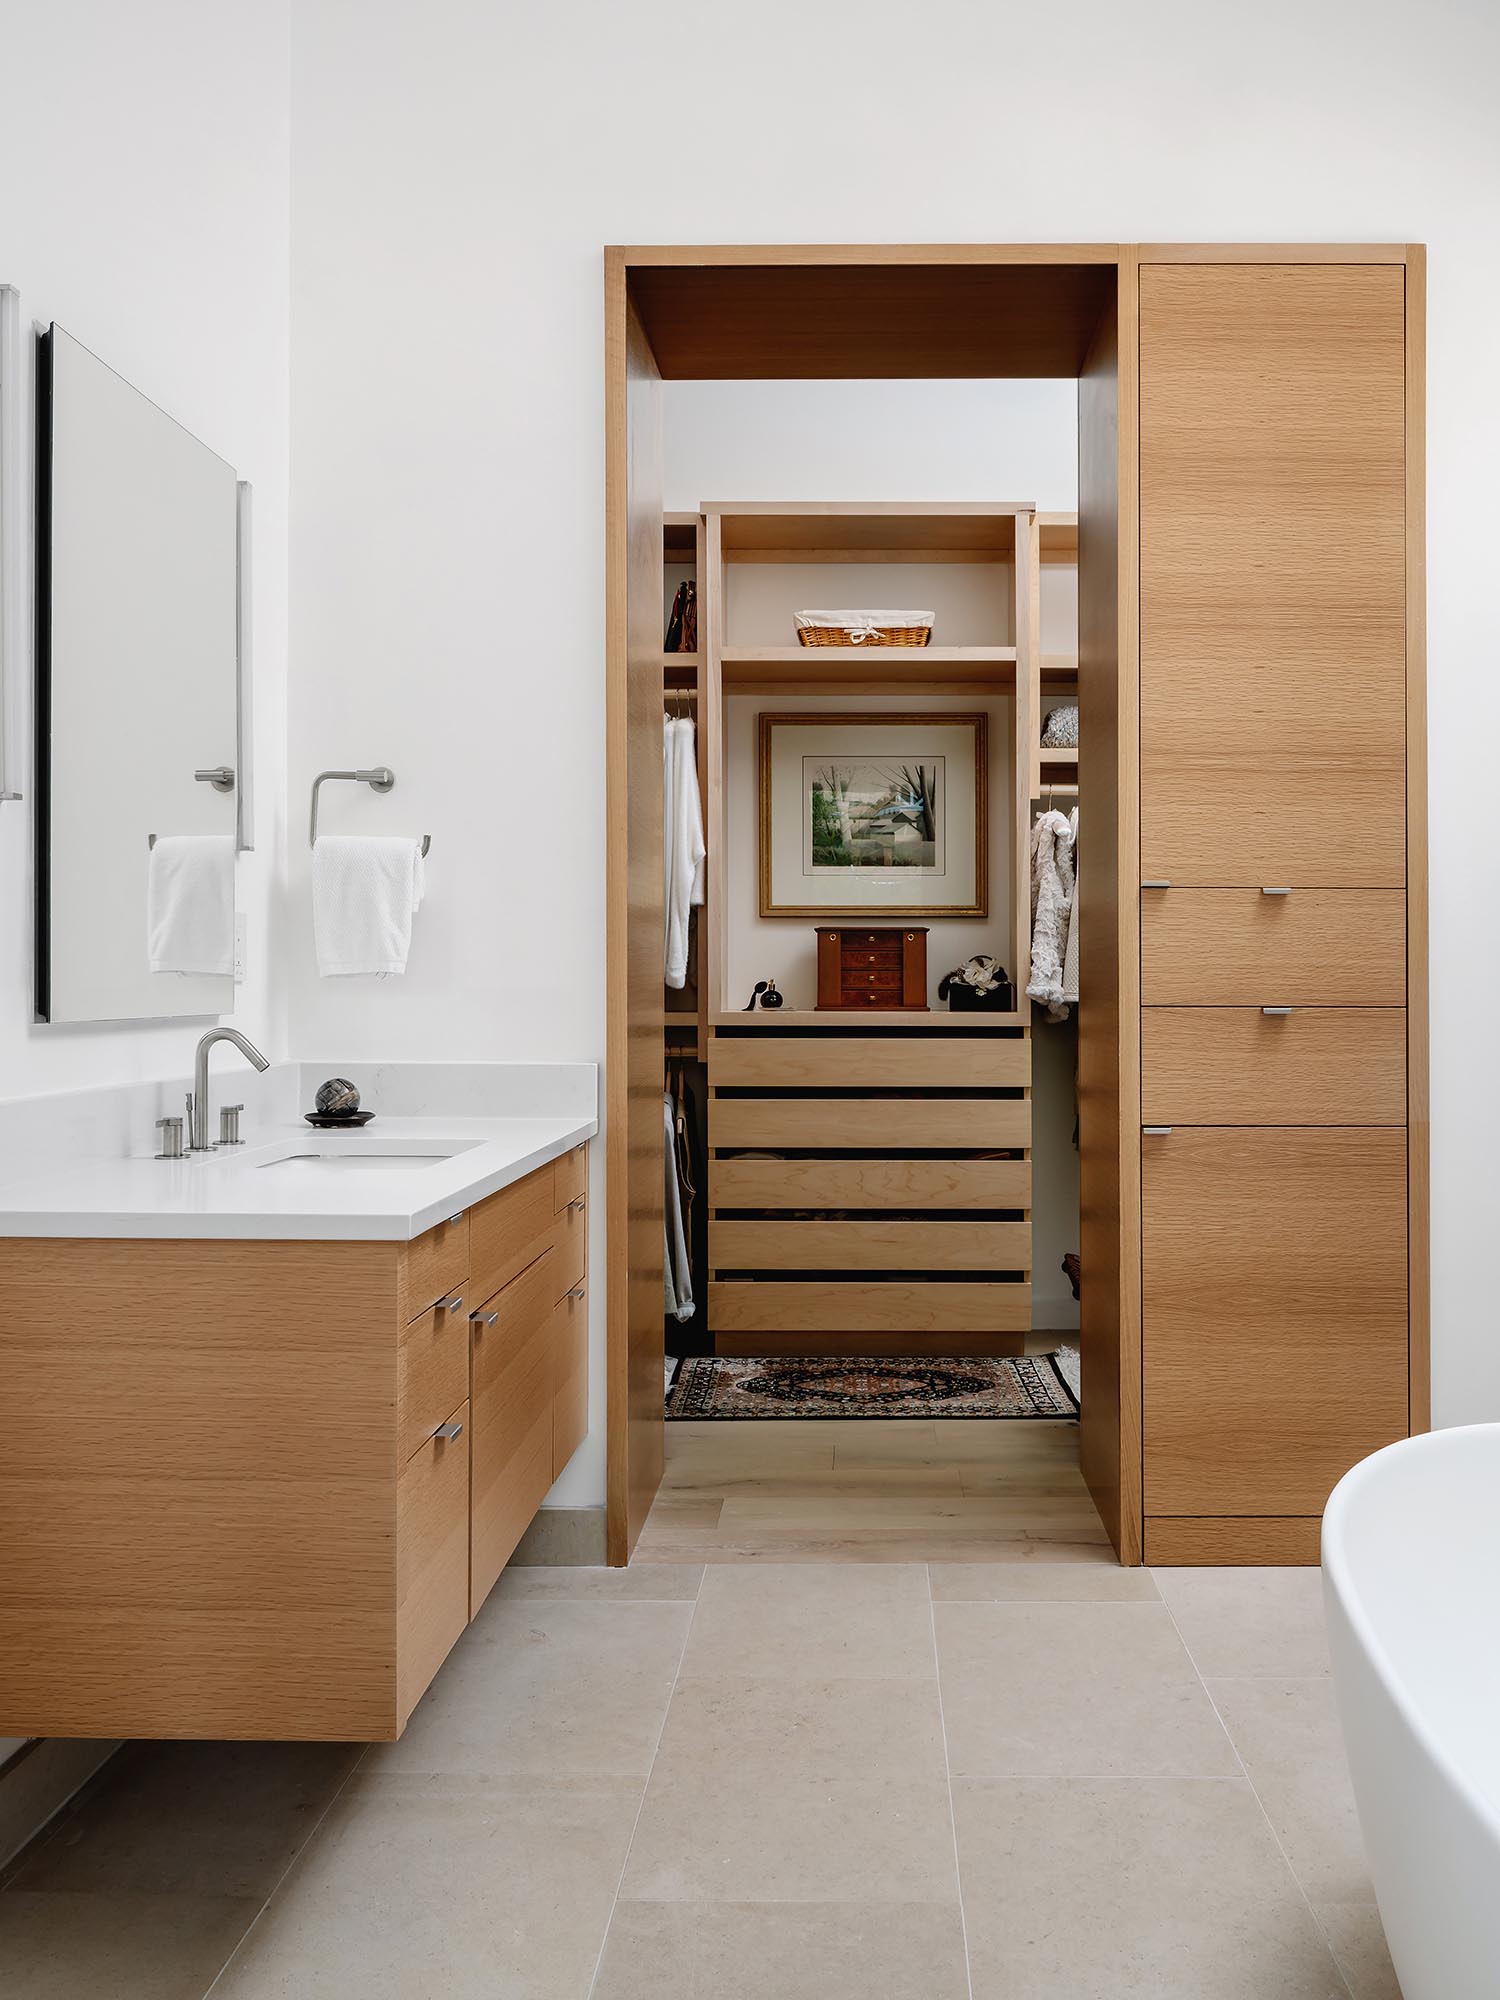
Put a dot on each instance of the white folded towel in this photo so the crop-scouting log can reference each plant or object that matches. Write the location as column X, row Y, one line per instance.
column 190, row 904
column 366, row 890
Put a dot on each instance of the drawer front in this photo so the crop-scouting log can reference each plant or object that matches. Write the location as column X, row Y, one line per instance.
column 1273, row 573
column 906, row 1123
column 433, row 1265
column 828, row 1306
column 432, row 1371
column 510, row 1230
column 844, row 1184
column 1240, row 948
column 512, row 1401
column 570, row 1236
column 871, row 1062
column 1274, row 1301
column 569, row 1337
column 790, row 1244
column 1238, row 1066
column 432, row 1560
column 570, row 1176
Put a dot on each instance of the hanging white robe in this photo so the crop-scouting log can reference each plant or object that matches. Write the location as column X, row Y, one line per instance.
column 683, row 845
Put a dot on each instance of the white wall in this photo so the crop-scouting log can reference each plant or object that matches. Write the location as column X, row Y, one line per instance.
column 457, row 168
column 143, row 204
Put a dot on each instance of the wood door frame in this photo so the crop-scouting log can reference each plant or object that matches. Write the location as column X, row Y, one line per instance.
column 1117, row 1116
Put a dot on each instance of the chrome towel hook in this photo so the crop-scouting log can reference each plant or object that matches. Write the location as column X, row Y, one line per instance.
column 380, row 778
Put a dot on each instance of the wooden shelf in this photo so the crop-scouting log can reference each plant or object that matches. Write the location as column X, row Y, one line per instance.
column 872, row 531
column 1057, row 535
column 805, row 1018
column 681, row 663
column 1059, row 667
column 984, row 666
column 1051, row 756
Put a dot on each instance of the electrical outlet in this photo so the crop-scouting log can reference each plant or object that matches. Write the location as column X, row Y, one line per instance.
column 240, row 928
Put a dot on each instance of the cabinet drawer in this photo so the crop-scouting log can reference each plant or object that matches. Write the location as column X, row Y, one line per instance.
column 790, row 1244
column 432, row 1371
column 570, row 1176
column 874, row 1306
column 1238, row 1066
column 432, row 1560
column 434, row 1264
column 832, row 1124
column 1240, row 948
column 856, row 1184
column 512, row 1400
column 510, row 1230
column 833, row 1061
column 1274, row 1302
column 570, row 1241
column 569, row 1337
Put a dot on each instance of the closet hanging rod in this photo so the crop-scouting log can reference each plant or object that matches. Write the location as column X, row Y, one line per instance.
column 380, row 778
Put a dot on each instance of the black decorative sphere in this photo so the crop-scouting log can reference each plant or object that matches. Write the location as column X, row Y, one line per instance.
column 337, row 1096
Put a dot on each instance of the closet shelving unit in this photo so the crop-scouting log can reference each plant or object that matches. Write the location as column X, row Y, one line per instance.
column 1054, row 773
column 895, row 1211
column 686, row 1011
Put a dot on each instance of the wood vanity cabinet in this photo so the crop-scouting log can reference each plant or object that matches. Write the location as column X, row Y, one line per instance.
column 258, row 1489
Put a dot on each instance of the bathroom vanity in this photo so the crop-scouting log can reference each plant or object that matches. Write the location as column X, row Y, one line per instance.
column 272, row 1427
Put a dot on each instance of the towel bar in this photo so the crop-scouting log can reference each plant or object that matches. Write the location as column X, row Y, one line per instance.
column 380, row 778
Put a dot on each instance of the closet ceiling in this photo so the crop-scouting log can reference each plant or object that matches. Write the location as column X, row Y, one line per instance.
column 764, row 322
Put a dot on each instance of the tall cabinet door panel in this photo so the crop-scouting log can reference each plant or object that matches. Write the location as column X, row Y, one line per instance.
column 1272, row 573
column 1274, row 1293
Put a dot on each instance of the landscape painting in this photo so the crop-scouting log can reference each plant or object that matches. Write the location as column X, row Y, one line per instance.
column 875, row 813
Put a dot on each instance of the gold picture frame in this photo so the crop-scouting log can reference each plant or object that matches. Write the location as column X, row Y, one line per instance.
column 899, row 817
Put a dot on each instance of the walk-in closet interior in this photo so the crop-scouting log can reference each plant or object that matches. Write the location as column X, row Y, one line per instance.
column 1027, row 902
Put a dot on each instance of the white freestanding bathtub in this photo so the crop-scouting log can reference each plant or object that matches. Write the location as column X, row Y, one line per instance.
column 1411, row 1576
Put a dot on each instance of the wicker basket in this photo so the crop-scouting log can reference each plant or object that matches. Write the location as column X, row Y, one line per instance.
column 864, row 628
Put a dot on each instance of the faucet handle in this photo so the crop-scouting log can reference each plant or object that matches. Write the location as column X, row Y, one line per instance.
column 171, row 1138
column 229, row 1124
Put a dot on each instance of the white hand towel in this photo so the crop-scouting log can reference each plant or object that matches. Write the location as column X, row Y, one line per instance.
column 190, row 904
column 366, row 890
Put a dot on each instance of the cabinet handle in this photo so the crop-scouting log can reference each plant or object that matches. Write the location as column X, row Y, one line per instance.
column 448, row 1432
column 457, row 1218
column 1276, row 1010
column 577, row 1204
column 1156, row 1131
column 484, row 1319
column 1276, row 892
column 1156, row 885
column 453, row 1304
column 577, row 1292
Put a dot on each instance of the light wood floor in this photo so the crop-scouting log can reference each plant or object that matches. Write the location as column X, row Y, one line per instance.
column 952, row 1491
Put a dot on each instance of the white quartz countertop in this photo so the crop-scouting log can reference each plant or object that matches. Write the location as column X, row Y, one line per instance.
column 389, row 1181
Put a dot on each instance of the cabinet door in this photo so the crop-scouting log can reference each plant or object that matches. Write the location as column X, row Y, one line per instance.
column 1275, row 1296
column 432, row 1558
column 512, row 1409
column 1272, row 568
column 570, row 1394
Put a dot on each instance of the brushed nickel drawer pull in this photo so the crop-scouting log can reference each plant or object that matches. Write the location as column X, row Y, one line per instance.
column 1276, row 892
column 1276, row 1010
column 1156, row 1131
column 448, row 1432
column 1156, row 885
column 577, row 1292
column 454, row 1303
column 577, row 1204
column 484, row 1319
column 457, row 1218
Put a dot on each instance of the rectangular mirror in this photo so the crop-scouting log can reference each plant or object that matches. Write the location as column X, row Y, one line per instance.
column 137, row 703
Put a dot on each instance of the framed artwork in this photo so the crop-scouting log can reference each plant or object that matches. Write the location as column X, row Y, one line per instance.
column 873, row 815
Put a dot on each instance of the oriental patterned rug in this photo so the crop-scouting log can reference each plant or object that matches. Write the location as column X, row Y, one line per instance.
column 861, row 1386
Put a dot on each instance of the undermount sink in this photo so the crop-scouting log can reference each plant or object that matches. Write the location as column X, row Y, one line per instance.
column 372, row 1159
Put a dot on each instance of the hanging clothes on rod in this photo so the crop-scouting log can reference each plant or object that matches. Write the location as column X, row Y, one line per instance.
column 679, row 1264
column 1052, row 886
column 683, row 848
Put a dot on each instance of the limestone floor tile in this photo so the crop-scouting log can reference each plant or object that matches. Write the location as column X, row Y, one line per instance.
column 812, row 1622
column 1081, row 1689
column 1249, row 1621
column 727, row 1724
column 783, row 1951
column 1287, row 1733
column 204, row 1819
column 1358, row 1941
column 62, row 1945
column 1131, row 1889
column 749, row 1837
column 1039, row 1583
column 668, row 1581
column 548, row 1688
column 424, row 1887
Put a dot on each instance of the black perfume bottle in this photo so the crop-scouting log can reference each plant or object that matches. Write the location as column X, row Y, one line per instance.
column 765, row 995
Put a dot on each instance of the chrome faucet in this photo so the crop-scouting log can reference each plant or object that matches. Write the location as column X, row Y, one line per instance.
column 197, row 1104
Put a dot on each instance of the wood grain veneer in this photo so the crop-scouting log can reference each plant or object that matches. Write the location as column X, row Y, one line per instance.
column 871, row 1062
column 510, row 1230
column 433, row 1264
column 569, row 1176
column 432, row 1564
column 869, row 1183
column 833, row 1123
column 807, row 1306
column 1273, row 574
column 570, row 1237
column 1274, row 1297
column 1237, row 1066
column 1239, row 948
column 1274, row 1542
column 432, row 1372
column 569, row 1339
column 791, row 1244
column 513, row 1376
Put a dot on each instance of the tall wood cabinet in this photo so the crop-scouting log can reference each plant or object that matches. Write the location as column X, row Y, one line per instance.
column 1276, row 1225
